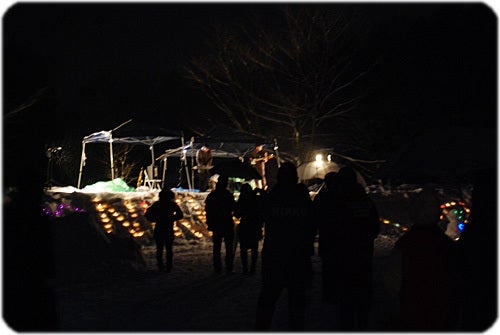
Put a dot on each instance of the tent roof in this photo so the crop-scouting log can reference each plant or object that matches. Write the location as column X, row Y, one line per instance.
column 132, row 134
column 177, row 152
column 225, row 139
column 106, row 136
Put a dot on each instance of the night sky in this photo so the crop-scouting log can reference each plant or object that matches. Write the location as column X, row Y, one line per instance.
column 434, row 65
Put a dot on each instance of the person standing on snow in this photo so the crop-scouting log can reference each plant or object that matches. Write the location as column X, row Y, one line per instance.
column 428, row 301
column 286, row 250
column 348, row 225
column 220, row 206
column 250, row 227
column 164, row 212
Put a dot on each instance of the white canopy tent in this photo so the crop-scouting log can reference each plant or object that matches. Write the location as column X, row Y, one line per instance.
column 106, row 136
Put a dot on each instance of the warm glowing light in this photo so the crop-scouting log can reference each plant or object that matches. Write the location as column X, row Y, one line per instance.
column 107, row 226
column 105, row 220
column 385, row 221
column 126, row 223
column 134, row 215
column 319, row 160
column 136, row 224
column 121, row 218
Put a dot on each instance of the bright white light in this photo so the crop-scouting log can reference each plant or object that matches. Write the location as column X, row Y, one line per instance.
column 329, row 158
column 319, row 160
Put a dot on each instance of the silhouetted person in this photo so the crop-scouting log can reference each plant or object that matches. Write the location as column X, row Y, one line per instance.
column 427, row 281
column 250, row 227
column 204, row 164
column 286, row 249
column 220, row 206
column 29, row 268
column 164, row 212
column 479, row 251
column 348, row 224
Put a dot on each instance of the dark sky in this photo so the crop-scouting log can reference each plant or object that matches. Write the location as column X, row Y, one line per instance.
column 103, row 64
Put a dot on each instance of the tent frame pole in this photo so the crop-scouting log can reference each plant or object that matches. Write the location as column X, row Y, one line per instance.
column 184, row 161
column 111, row 158
column 276, row 150
column 192, row 160
column 82, row 163
column 164, row 172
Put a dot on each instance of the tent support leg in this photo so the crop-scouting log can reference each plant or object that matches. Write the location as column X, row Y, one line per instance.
column 111, row 159
column 82, row 162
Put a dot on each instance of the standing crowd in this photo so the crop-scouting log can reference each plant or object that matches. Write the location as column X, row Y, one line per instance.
column 347, row 223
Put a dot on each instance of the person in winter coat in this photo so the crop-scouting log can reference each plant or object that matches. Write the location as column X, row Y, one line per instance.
column 286, row 250
column 220, row 206
column 250, row 227
column 348, row 224
column 427, row 274
column 164, row 212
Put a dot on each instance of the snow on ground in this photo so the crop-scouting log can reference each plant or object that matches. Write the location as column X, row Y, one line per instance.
column 193, row 298
column 120, row 289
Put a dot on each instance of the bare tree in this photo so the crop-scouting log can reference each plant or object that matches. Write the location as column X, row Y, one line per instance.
column 291, row 79
column 125, row 163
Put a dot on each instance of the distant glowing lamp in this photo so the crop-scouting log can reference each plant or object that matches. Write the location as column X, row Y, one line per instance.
column 319, row 160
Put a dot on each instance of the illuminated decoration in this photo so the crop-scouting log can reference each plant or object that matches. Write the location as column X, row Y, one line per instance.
column 454, row 218
column 192, row 204
column 122, row 214
column 53, row 209
column 399, row 227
